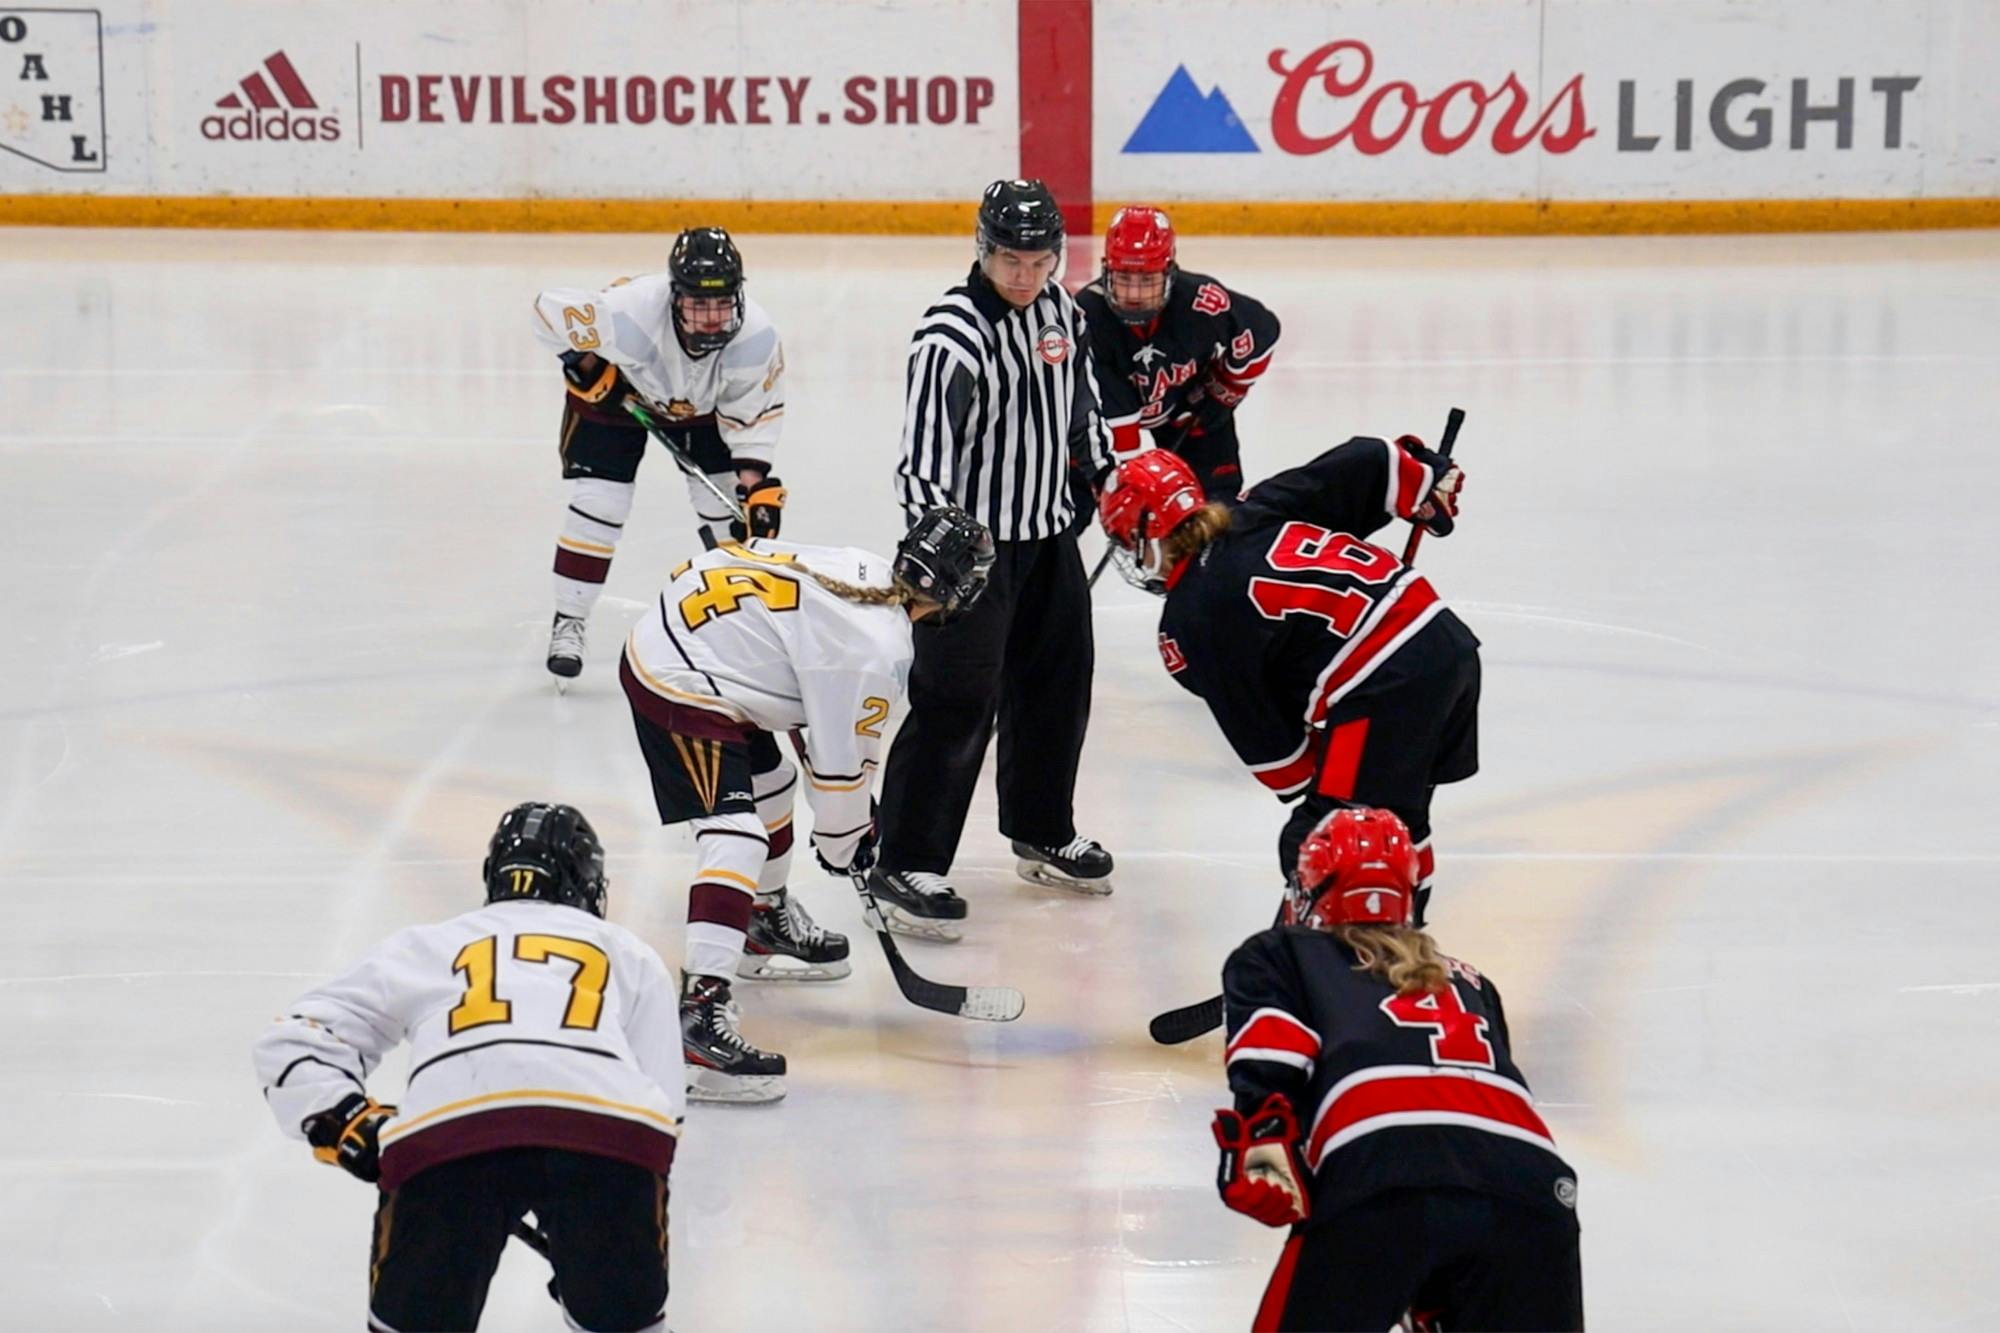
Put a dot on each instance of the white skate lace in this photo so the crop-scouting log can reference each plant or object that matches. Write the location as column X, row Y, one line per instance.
column 1074, row 848
column 726, row 1018
column 802, row 927
column 929, row 885
column 568, row 633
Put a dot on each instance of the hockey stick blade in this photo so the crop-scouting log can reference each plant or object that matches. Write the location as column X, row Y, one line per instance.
column 987, row 1004
column 1181, row 1025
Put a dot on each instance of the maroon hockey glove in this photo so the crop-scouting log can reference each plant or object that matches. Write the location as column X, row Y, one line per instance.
column 348, row 1135
column 1439, row 511
column 1260, row 1174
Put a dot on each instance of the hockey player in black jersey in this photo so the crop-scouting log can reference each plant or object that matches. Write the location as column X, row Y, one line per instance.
column 1379, row 1113
column 1334, row 670
column 1176, row 351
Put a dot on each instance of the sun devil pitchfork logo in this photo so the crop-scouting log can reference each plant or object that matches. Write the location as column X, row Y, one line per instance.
column 272, row 102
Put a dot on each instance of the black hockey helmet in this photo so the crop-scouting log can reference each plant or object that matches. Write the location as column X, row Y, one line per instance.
column 705, row 265
column 946, row 558
column 549, row 852
column 1019, row 215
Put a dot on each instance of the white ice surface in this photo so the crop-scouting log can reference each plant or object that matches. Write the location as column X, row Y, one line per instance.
column 279, row 516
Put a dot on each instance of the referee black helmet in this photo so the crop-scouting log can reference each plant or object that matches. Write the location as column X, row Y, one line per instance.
column 1019, row 215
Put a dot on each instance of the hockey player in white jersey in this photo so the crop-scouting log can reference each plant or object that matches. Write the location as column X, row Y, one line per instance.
column 706, row 362
column 545, row 1077
column 753, row 639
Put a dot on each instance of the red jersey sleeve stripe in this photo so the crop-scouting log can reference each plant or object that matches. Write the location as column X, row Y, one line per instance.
column 1273, row 1034
column 1287, row 775
column 1242, row 377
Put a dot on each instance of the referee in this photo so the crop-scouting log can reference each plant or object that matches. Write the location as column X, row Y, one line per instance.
column 1001, row 412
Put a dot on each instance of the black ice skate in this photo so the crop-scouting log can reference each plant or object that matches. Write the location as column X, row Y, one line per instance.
column 784, row 944
column 722, row 1067
column 1079, row 865
column 918, row 904
column 566, row 649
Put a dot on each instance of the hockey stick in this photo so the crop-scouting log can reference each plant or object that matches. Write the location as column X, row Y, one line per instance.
column 1102, row 560
column 641, row 414
column 1178, row 1025
column 990, row 1004
column 1181, row 1025
column 1452, row 421
column 535, row 1239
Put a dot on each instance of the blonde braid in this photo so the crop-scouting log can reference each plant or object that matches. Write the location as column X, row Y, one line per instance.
column 897, row 594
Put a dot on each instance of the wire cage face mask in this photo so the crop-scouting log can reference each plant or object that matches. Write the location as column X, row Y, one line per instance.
column 1141, row 574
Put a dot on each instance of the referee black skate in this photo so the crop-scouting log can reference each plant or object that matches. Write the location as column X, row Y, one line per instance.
column 1001, row 418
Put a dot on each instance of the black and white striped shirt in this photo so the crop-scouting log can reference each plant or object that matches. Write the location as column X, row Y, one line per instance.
column 998, row 402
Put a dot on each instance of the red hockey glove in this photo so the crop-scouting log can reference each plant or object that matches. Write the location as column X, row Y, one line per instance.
column 1439, row 511
column 348, row 1135
column 1260, row 1172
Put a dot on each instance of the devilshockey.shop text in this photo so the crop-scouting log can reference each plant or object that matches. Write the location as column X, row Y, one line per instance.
column 562, row 99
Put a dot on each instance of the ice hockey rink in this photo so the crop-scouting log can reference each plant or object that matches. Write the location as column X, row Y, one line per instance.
column 281, row 509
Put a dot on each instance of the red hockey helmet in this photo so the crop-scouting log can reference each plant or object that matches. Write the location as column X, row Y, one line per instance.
column 1146, row 498
column 1357, row 866
column 1139, row 241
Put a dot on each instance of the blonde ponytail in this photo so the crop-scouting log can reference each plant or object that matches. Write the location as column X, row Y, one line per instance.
column 1403, row 956
column 1207, row 523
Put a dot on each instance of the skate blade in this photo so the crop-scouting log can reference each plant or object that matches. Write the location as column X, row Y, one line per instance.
column 1041, row 872
column 784, row 967
column 712, row 1085
column 903, row 923
column 562, row 683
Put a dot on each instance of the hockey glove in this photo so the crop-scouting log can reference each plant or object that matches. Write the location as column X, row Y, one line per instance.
column 1260, row 1173
column 593, row 379
column 1439, row 511
column 765, row 504
column 348, row 1135
column 861, row 863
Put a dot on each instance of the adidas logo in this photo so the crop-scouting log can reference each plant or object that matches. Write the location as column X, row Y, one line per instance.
column 270, row 104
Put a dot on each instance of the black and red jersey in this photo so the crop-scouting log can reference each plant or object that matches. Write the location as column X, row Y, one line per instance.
column 1392, row 1091
column 1291, row 609
column 1146, row 372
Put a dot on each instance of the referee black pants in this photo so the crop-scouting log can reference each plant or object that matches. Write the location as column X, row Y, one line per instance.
column 1023, row 656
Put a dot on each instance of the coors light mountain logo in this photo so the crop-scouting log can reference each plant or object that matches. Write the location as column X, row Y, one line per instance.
column 272, row 102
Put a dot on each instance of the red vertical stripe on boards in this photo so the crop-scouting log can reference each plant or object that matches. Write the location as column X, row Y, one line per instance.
column 1055, row 87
